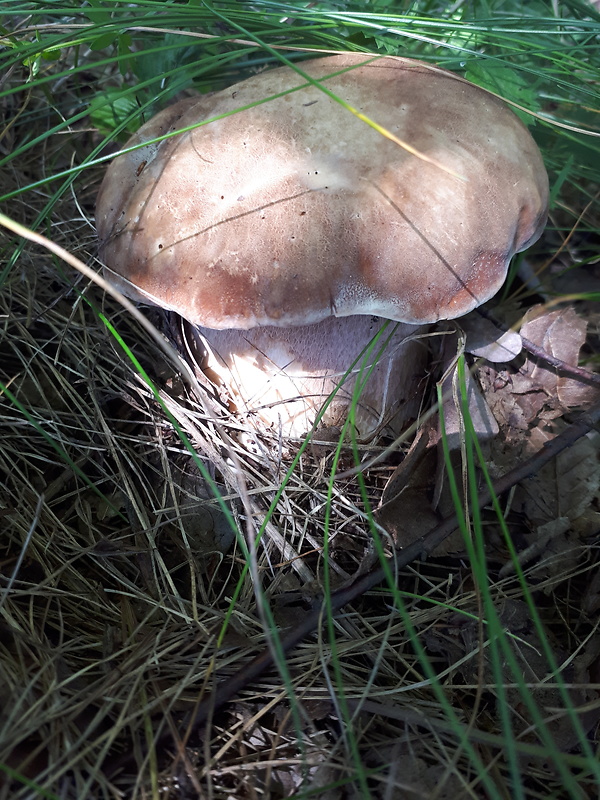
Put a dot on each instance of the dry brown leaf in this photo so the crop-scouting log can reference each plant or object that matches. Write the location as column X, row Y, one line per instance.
column 561, row 333
column 568, row 485
column 411, row 507
column 522, row 398
column 405, row 510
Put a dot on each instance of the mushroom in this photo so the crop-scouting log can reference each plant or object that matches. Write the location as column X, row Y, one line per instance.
column 287, row 229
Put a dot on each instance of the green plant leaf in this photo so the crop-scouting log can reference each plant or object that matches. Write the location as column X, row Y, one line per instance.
column 507, row 82
column 110, row 109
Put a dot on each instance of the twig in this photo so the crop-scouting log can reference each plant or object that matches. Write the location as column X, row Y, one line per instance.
column 230, row 687
column 577, row 373
column 571, row 371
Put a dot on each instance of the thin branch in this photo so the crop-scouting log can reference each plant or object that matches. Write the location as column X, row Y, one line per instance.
column 570, row 371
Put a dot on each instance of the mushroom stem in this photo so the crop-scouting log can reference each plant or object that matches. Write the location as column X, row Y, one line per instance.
column 284, row 376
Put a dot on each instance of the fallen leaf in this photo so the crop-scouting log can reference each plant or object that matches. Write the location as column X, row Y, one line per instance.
column 560, row 333
column 568, row 485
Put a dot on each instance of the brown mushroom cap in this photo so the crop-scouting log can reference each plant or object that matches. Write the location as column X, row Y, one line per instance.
column 296, row 210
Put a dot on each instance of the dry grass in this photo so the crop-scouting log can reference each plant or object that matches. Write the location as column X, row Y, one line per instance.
column 126, row 594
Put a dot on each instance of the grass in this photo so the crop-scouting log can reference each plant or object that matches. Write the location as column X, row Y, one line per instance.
column 149, row 551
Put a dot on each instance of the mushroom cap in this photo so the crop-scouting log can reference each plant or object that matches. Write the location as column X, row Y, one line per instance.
column 295, row 210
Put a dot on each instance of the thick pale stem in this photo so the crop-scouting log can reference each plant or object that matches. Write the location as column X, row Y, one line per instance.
column 283, row 376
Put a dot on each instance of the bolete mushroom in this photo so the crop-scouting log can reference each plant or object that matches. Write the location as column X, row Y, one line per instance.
column 287, row 229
